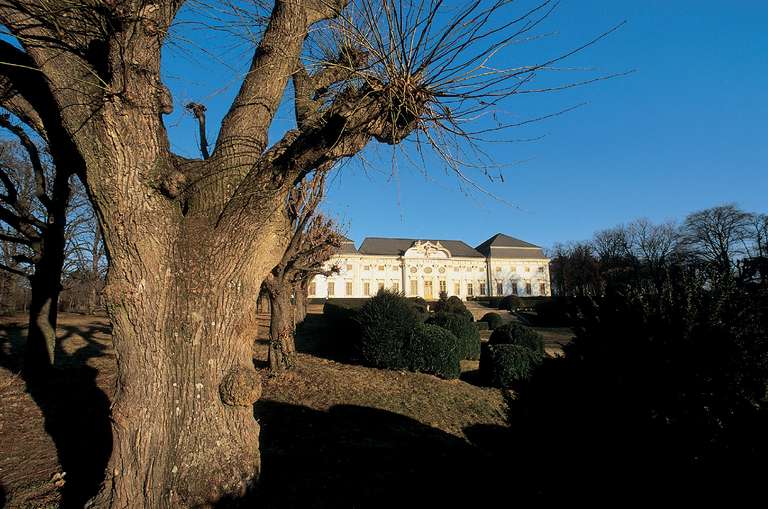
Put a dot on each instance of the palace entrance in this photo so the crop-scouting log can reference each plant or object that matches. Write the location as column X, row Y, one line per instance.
column 428, row 290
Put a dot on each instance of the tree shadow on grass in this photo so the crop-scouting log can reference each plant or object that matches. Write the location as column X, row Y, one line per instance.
column 352, row 456
column 75, row 409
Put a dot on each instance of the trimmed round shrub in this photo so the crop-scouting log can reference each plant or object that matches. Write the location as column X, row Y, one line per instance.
column 454, row 305
column 517, row 334
column 434, row 350
column 493, row 320
column 504, row 365
column 464, row 330
column 386, row 322
column 510, row 303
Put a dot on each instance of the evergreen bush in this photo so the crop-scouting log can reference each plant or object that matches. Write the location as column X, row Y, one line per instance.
column 467, row 334
column 434, row 350
column 504, row 365
column 386, row 322
column 516, row 334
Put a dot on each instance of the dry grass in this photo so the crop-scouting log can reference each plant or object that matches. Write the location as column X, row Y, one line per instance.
column 332, row 432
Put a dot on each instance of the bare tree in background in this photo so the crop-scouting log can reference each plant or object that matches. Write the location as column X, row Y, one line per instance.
column 655, row 246
column 191, row 240
column 85, row 265
column 313, row 241
column 716, row 235
column 33, row 209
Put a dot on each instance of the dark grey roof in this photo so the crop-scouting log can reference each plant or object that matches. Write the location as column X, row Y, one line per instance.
column 504, row 246
column 396, row 247
column 347, row 247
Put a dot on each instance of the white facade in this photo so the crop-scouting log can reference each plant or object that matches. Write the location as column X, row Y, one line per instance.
column 427, row 268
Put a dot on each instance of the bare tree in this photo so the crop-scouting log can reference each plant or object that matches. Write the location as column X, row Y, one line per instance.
column 313, row 242
column 191, row 240
column 716, row 235
column 34, row 208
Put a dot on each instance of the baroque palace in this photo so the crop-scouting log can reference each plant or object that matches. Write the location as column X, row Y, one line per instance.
column 502, row 265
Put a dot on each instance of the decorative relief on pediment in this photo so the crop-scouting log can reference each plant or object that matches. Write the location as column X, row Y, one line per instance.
column 426, row 249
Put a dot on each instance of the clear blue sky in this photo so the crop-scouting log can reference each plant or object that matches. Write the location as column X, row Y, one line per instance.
column 687, row 130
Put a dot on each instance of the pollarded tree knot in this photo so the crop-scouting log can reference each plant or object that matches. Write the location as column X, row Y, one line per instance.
column 173, row 184
column 240, row 387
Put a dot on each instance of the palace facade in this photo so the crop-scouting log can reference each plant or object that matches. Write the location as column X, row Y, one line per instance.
column 502, row 265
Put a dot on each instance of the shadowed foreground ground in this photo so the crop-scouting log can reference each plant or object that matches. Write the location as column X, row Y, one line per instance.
column 333, row 434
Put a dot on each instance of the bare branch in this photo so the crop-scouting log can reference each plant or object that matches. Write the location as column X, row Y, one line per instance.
column 198, row 110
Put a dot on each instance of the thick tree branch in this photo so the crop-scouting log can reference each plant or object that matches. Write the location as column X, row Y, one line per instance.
column 244, row 130
column 41, row 192
column 14, row 271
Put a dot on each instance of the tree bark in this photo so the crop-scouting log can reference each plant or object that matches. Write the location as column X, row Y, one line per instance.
column 282, row 349
column 184, row 432
column 300, row 292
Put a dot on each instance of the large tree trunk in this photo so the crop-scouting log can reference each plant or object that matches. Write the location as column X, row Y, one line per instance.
column 184, row 431
column 180, row 293
column 282, row 350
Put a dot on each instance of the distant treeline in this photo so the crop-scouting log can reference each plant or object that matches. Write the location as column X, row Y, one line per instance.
column 720, row 244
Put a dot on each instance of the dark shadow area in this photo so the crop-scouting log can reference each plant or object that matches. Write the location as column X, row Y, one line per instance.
column 75, row 409
column 2, row 496
column 353, row 456
column 324, row 338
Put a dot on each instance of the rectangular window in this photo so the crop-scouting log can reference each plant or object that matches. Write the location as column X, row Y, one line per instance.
column 527, row 269
column 470, row 292
column 542, row 289
column 331, row 288
column 381, row 268
column 312, row 288
column 367, row 288
column 498, row 269
column 514, row 288
column 414, row 288
column 457, row 289
column 541, row 269
column 381, row 285
column 513, row 269
column 348, row 288
column 396, row 286
column 499, row 288
column 482, row 288
column 528, row 288
column 349, row 267
column 443, row 286
column 366, row 267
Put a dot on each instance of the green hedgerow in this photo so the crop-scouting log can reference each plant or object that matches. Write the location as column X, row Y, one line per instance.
column 510, row 302
column 434, row 350
column 465, row 331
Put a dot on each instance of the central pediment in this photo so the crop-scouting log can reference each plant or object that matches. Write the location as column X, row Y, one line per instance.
column 427, row 249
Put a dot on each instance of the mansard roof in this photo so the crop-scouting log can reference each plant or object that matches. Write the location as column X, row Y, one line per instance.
column 504, row 246
column 396, row 247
